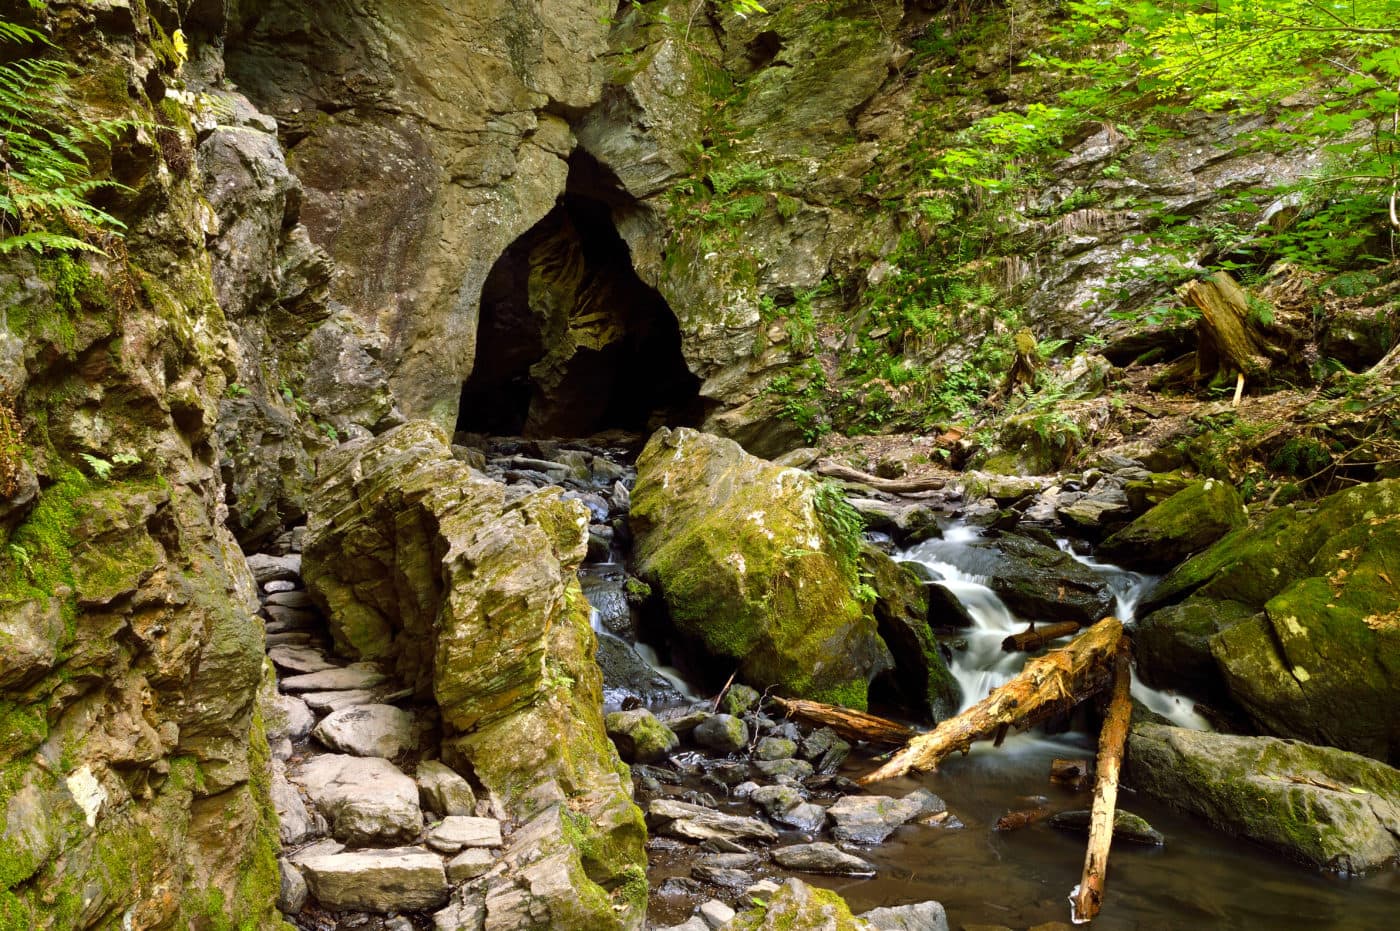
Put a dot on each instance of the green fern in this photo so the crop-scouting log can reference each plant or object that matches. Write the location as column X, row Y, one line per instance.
column 45, row 178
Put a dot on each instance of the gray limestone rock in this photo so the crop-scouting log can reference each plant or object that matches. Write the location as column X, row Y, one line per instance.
column 457, row 831
column 296, row 823
column 775, row 748
column 469, row 864
column 443, row 791
column 786, row 805
column 267, row 568
column 290, row 718
column 368, row 730
column 355, row 676
column 694, row 822
column 326, row 702
column 398, row 879
column 822, row 858
column 921, row 916
column 869, row 819
column 365, row 799
column 292, row 893
column 298, row 659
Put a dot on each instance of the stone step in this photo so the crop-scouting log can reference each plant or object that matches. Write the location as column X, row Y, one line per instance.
column 368, row 730
column 266, row 568
column 367, row 800
column 458, row 831
column 394, row 880
column 326, row 702
column 297, row 637
column 278, row 585
column 295, row 599
column 293, row 618
column 298, row 659
column 355, row 676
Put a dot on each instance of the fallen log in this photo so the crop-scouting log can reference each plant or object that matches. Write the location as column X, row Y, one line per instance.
column 1049, row 685
column 1087, row 898
column 894, row 486
column 1033, row 638
column 853, row 725
column 1023, row 818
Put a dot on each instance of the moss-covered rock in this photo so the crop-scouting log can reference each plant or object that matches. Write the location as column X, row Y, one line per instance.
column 1334, row 809
column 920, row 679
column 1185, row 523
column 639, row 736
column 799, row 907
column 755, row 574
column 1040, row 582
column 1172, row 645
column 424, row 565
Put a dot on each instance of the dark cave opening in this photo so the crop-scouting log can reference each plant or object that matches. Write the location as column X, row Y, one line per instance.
column 570, row 342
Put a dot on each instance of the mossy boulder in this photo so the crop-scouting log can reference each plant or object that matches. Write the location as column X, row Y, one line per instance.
column 1185, row 523
column 1321, row 660
column 639, row 736
column 475, row 601
column 1337, row 810
column 754, row 573
column 1172, row 645
column 799, row 907
column 1322, row 663
column 920, row 679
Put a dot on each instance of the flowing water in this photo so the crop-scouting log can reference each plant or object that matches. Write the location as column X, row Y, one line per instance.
column 1200, row 879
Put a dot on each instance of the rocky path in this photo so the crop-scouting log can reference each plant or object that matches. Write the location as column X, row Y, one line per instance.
column 374, row 834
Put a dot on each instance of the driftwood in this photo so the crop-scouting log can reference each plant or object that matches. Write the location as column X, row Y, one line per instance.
column 1049, row 685
column 1088, row 897
column 894, row 486
column 1023, row 818
column 1033, row 638
column 854, row 725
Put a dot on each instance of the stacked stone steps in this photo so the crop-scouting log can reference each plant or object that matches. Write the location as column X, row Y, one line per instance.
column 359, row 834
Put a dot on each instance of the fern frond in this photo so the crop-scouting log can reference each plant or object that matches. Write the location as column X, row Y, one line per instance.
column 42, row 240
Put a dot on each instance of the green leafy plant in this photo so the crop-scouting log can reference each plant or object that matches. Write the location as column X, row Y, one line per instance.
column 45, row 177
column 100, row 467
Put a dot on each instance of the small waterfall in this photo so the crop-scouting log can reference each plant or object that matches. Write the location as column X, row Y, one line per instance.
column 963, row 570
column 673, row 675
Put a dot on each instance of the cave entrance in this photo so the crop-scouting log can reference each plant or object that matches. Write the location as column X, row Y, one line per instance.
column 570, row 342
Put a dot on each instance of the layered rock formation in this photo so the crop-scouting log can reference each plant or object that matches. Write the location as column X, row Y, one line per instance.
column 468, row 591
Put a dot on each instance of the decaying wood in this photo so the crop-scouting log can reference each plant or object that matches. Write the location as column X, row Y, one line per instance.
column 1229, row 338
column 1015, row 820
column 1023, row 366
column 895, row 486
column 1049, row 685
column 853, row 725
column 1033, row 637
column 1088, row 897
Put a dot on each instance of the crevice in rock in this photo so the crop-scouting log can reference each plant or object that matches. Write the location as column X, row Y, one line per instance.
column 570, row 341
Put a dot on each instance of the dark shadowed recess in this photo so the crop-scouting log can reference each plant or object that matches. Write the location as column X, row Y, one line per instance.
column 570, row 341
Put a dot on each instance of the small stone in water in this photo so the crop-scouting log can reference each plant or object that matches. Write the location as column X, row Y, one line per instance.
column 775, row 748
column 723, row 733
column 716, row 914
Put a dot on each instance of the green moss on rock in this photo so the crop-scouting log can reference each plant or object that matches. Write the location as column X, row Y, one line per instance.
column 1185, row 523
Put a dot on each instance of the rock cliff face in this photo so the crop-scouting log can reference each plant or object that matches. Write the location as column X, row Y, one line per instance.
column 135, row 787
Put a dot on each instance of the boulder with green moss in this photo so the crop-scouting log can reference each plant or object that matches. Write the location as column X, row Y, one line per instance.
column 474, row 600
column 1334, row 809
column 758, row 566
column 920, row 679
column 799, row 907
column 1321, row 660
column 1185, row 523
column 1172, row 645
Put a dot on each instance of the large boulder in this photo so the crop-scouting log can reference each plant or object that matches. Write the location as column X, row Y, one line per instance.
column 473, row 598
column 399, row 879
column 1042, row 583
column 1185, row 523
column 758, row 567
column 1172, row 644
column 1321, row 659
column 1338, row 810
column 920, row 678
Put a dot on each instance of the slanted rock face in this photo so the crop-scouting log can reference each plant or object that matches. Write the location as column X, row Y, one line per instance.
column 1321, row 659
column 749, row 569
column 1334, row 809
column 475, row 601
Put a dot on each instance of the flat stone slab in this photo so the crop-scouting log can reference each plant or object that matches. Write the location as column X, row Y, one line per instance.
column 921, row 916
column 326, row 702
column 822, row 858
column 869, row 819
column 299, row 658
column 356, row 676
column 278, row 585
column 697, row 823
column 458, row 831
column 394, row 880
column 365, row 799
column 291, row 599
column 282, row 619
column 368, row 730
column 267, row 568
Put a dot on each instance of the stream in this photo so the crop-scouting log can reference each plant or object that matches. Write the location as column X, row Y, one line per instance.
column 1199, row 879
